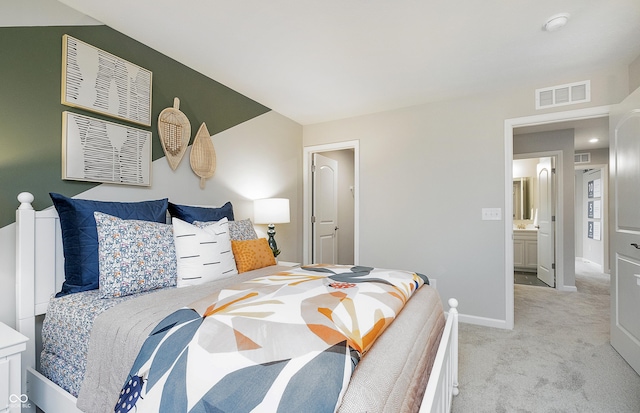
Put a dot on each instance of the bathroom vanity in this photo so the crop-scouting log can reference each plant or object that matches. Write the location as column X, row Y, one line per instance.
column 525, row 250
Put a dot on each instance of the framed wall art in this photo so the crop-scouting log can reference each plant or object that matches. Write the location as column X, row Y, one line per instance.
column 98, row 81
column 95, row 150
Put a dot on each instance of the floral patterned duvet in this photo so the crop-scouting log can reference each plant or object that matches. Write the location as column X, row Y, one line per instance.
column 286, row 342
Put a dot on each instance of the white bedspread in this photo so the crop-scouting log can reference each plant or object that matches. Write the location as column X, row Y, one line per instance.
column 391, row 377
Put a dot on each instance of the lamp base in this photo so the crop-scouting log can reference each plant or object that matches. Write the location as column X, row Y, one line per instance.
column 271, row 232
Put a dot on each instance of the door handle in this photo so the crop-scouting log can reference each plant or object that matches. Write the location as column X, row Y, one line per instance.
column 633, row 244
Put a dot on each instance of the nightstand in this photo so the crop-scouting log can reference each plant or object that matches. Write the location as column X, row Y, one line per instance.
column 288, row 264
column 12, row 344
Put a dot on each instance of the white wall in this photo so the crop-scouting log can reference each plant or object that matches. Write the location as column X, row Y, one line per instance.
column 15, row 13
column 426, row 173
column 256, row 159
column 634, row 75
column 525, row 168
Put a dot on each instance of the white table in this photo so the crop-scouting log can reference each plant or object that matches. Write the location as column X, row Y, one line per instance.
column 12, row 344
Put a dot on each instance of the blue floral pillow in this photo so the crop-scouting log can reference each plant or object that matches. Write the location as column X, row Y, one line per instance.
column 134, row 256
column 80, row 240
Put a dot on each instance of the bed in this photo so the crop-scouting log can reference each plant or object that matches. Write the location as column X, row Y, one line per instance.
column 411, row 366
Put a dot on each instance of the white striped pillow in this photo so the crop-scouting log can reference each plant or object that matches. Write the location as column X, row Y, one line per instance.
column 203, row 254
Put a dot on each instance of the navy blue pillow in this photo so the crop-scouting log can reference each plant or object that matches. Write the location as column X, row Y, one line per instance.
column 192, row 213
column 80, row 236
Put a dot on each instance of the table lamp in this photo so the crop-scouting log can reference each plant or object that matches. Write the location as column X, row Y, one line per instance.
column 271, row 211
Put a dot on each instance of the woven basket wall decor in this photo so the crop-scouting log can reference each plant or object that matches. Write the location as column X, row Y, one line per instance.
column 203, row 155
column 174, row 129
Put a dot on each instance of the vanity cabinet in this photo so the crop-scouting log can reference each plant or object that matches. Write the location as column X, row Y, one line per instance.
column 525, row 250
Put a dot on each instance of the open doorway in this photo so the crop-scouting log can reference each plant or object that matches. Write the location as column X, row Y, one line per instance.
column 592, row 204
column 510, row 126
column 330, row 206
column 535, row 207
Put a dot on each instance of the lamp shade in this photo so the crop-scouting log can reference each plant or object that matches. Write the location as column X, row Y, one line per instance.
column 271, row 211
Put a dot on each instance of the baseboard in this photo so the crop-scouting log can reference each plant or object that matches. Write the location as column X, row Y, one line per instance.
column 569, row 288
column 483, row 321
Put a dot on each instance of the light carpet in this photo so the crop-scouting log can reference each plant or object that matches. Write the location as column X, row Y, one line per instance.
column 556, row 359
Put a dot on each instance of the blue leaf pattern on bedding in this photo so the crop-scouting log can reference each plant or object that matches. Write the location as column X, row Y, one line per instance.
column 170, row 350
column 240, row 391
column 174, row 397
column 354, row 275
column 180, row 316
column 284, row 342
column 314, row 388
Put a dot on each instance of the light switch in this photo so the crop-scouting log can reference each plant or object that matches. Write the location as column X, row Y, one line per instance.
column 491, row 214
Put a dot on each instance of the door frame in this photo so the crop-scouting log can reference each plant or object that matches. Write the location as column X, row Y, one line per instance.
column 509, row 125
column 604, row 173
column 558, row 207
column 307, row 186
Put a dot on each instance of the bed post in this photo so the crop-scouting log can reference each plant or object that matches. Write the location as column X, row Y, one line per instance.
column 453, row 312
column 443, row 378
column 25, row 285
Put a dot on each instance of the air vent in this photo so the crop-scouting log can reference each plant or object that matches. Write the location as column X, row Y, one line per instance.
column 561, row 95
column 582, row 157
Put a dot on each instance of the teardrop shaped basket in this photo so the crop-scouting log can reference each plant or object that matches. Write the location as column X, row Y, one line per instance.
column 174, row 129
column 203, row 155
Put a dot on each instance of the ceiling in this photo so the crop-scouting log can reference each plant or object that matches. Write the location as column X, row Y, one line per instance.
column 321, row 60
column 584, row 131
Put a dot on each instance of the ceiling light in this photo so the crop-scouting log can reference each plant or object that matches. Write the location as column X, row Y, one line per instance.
column 556, row 21
column 593, row 140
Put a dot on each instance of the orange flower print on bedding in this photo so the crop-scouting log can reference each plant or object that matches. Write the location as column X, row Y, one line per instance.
column 342, row 285
column 313, row 319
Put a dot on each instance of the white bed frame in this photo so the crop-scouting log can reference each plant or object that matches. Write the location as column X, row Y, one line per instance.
column 40, row 273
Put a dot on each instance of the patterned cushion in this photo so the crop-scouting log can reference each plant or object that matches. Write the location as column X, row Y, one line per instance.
column 252, row 254
column 135, row 255
column 193, row 213
column 80, row 239
column 242, row 230
column 238, row 230
column 203, row 254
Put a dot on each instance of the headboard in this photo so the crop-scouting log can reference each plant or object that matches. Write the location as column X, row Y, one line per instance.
column 38, row 235
column 39, row 276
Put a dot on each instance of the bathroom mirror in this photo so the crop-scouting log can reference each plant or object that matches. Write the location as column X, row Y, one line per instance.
column 522, row 199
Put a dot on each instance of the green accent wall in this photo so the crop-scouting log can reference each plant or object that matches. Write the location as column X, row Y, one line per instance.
column 31, row 112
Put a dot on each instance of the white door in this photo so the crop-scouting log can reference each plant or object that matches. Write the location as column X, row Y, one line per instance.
column 325, row 210
column 546, row 222
column 624, row 191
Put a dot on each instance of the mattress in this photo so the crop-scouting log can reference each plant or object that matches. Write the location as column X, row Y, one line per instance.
column 65, row 336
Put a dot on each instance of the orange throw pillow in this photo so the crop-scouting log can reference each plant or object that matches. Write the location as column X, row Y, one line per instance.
column 252, row 254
